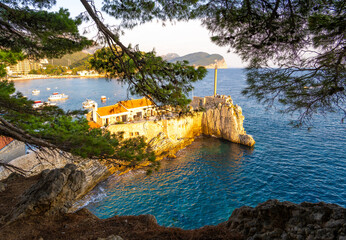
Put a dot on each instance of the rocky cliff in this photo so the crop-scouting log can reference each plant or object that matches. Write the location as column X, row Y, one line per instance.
column 220, row 64
column 287, row 220
column 53, row 194
column 33, row 164
column 223, row 119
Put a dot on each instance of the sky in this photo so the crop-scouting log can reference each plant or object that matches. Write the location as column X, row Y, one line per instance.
column 181, row 38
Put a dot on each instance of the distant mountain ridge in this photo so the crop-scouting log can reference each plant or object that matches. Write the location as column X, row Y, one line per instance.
column 170, row 56
column 198, row 59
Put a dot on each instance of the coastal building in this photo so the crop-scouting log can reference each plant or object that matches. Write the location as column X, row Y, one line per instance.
column 123, row 111
column 87, row 73
column 24, row 67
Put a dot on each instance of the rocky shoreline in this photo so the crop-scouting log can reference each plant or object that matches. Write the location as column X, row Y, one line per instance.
column 37, row 208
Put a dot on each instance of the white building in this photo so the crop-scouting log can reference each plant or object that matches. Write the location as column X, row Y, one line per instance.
column 87, row 73
column 123, row 111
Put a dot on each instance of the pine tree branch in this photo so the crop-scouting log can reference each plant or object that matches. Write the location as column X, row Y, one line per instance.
column 9, row 130
column 111, row 37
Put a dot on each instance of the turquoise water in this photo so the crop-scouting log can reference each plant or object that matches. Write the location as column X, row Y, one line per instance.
column 212, row 177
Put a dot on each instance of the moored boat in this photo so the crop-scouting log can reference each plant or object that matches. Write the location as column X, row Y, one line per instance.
column 88, row 103
column 57, row 96
column 50, row 103
column 35, row 92
column 37, row 104
column 40, row 104
column 103, row 98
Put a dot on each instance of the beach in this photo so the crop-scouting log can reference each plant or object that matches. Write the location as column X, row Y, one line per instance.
column 34, row 76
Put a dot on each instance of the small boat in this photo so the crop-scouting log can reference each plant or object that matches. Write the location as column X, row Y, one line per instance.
column 50, row 103
column 35, row 92
column 48, row 88
column 88, row 103
column 103, row 98
column 37, row 104
column 57, row 96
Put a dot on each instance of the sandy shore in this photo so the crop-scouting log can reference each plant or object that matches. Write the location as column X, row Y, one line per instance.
column 33, row 77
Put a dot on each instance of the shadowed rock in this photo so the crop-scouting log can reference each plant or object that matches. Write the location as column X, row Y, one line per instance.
column 54, row 193
column 285, row 220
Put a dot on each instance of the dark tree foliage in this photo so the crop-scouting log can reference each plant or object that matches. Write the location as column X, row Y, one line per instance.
column 166, row 83
column 134, row 12
column 146, row 74
column 8, row 58
column 295, row 49
column 304, row 40
column 26, row 26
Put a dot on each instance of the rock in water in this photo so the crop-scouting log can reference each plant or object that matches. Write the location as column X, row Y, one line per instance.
column 223, row 119
column 54, row 193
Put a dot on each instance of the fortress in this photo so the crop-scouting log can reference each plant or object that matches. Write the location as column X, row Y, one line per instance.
column 212, row 116
column 165, row 130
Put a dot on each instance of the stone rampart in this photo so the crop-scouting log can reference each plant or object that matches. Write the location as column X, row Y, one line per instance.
column 174, row 128
column 217, row 116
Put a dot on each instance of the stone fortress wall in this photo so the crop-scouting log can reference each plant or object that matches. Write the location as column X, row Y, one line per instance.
column 219, row 118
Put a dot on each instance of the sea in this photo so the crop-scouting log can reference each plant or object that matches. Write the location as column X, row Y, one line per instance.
column 212, row 177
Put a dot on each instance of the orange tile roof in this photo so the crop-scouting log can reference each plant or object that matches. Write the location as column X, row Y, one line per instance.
column 110, row 110
column 136, row 103
column 93, row 125
column 4, row 141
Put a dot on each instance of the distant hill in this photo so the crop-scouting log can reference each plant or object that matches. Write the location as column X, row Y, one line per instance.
column 202, row 59
column 196, row 59
column 81, row 63
column 68, row 59
column 92, row 49
column 169, row 56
